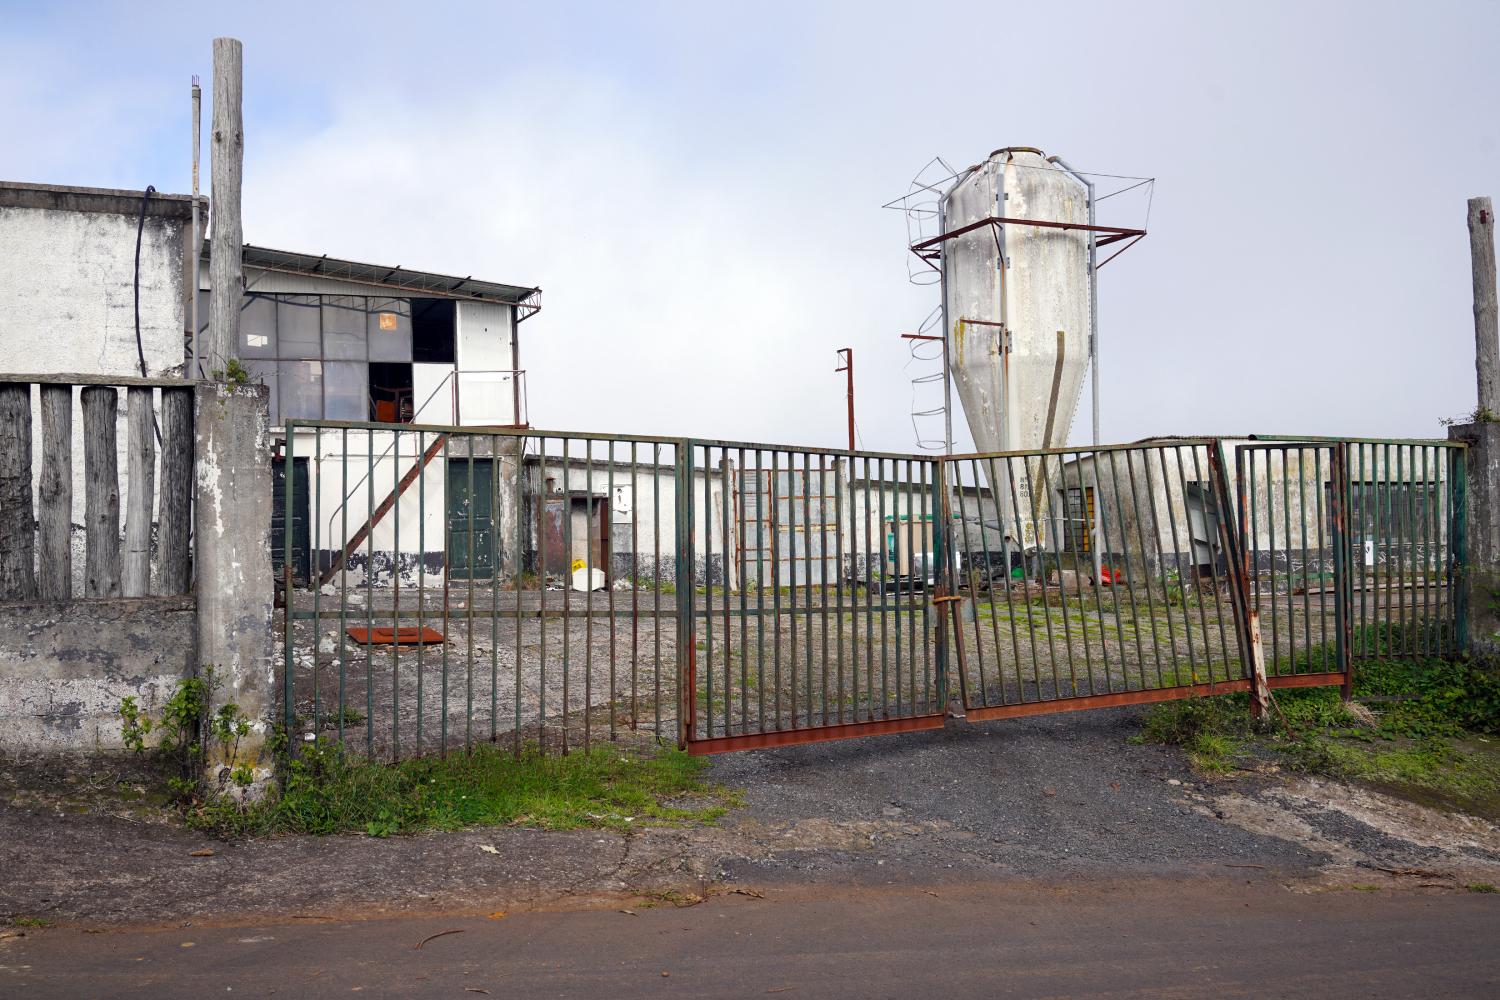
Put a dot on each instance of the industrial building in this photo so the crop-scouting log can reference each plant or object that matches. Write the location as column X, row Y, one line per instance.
column 98, row 284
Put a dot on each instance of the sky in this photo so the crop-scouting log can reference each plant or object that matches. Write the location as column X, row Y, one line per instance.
column 697, row 188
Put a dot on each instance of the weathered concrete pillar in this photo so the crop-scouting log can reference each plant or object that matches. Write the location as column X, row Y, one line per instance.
column 1480, row 582
column 235, row 583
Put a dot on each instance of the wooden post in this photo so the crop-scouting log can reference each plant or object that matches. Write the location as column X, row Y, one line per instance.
column 1486, row 319
column 101, row 493
column 17, row 523
column 227, row 158
column 1260, row 690
column 55, row 494
column 174, row 518
column 141, row 467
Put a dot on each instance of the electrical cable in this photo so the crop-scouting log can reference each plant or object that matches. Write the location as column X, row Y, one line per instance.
column 140, row 350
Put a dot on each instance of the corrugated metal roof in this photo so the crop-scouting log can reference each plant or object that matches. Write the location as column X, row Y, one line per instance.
column 527, row 300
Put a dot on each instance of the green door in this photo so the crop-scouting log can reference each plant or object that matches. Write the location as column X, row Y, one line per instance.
column 301, row 537
column 471, row 522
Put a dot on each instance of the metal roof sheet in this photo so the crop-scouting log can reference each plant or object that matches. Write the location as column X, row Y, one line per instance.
column 423, row 282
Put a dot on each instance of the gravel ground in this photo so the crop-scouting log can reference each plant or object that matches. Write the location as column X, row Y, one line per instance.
column 1053, row 799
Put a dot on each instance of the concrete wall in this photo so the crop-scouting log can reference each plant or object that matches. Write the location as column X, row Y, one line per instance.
column 64, row 668
column 67, row 269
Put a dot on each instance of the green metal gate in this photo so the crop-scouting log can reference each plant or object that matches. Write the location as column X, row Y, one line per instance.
column 554, row 588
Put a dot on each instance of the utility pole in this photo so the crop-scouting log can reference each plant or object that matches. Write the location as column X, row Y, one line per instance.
column 1475, row 475
column 848, row 355
column 225, row 265
column 1486, row 327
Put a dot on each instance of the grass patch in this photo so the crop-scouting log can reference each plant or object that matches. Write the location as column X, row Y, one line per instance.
column 1211, row 730
column 1420, row 729
column 326, row 792
column 1481, row 887
column 41, row 922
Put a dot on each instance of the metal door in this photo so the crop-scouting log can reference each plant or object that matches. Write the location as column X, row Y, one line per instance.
column 471, row 524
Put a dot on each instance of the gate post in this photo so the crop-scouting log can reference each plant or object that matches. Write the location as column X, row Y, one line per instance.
column 1343, row 589
column 232, row 565
column 685, row 555
column 943, row 598
column 1475, row 536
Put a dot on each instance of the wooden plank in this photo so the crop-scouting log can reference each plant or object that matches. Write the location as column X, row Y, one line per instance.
column 55, row 494
column 175, row 513
column 140, row 453
column 226, row 252
column 101, row 493
column 17, row 522
column 68, row 378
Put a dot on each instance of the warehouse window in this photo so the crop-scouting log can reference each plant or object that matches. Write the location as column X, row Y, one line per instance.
column 341, row 357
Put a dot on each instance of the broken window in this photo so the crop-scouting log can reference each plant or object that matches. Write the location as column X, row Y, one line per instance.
column 391, row 392
column 432, row 325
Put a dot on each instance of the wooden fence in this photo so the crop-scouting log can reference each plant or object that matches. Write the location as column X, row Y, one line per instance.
column 36, row 538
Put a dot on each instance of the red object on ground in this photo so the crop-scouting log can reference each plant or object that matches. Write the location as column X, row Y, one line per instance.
column 406, row 636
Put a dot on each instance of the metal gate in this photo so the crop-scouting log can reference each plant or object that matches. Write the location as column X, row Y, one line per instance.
column 1065, row 579
column 534, row 587
column 814, row 622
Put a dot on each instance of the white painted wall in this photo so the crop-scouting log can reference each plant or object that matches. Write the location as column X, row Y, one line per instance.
column 66, row 282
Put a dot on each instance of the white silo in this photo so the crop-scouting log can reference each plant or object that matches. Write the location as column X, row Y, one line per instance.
column 1016, row 298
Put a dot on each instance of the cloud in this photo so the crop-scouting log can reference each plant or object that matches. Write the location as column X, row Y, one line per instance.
column 677, row 298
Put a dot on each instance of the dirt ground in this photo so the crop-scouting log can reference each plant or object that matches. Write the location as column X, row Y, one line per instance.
column 1036, row 800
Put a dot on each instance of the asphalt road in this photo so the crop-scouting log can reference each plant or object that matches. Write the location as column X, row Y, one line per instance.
column 1218, row 937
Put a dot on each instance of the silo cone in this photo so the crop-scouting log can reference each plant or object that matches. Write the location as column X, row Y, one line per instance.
column 1016, row 315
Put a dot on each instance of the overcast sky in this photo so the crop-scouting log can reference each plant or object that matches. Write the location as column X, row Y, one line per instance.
column 698, row 190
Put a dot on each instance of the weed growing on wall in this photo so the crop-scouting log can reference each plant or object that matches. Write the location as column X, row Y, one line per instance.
column 185, row 734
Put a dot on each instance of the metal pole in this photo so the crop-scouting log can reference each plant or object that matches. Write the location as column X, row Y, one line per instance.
column 848, row 353
column 1093, row 333
column 947, row 399
column 196, row 246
